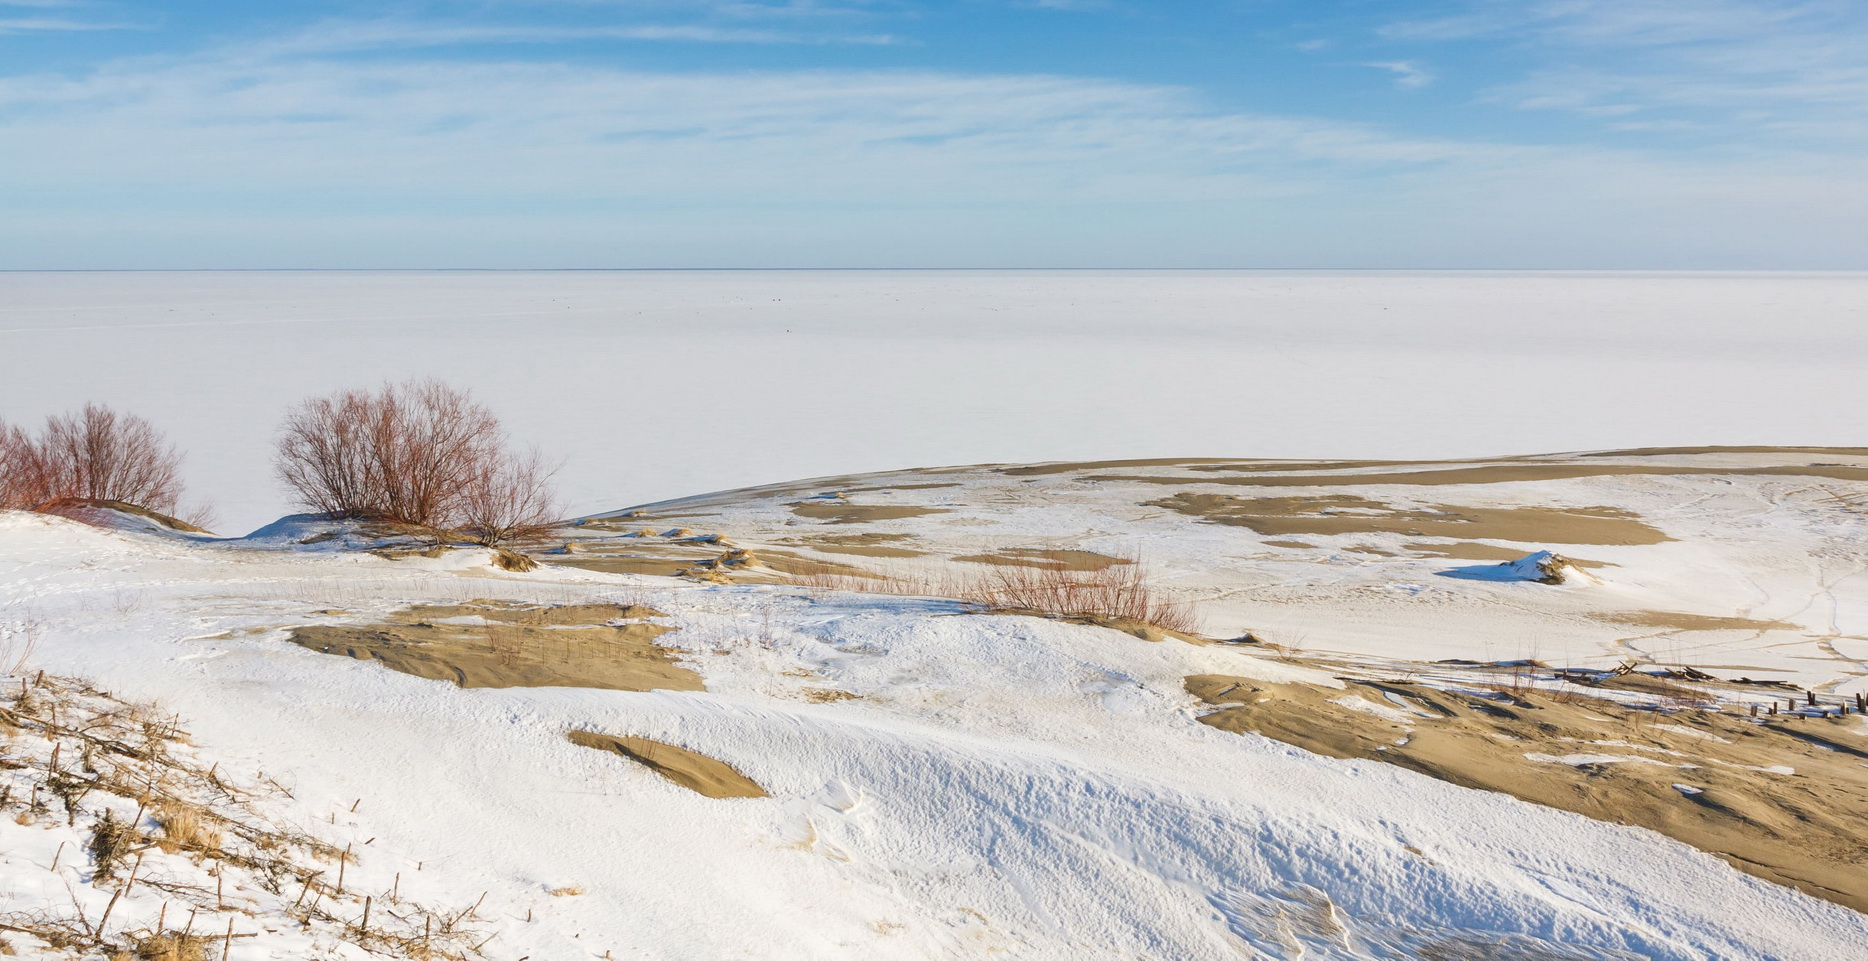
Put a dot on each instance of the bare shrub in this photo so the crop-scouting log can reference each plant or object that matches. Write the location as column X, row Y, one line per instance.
column 509, row 498
column 1119, row 590
column 95, row 455
column 99, row 454
column 23, row 480
column 419, row 453
column 1124, row 591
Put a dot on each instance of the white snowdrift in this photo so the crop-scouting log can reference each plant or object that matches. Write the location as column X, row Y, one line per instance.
column 1001, row 786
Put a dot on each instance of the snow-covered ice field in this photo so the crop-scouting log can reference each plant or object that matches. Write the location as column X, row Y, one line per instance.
column 664, row 384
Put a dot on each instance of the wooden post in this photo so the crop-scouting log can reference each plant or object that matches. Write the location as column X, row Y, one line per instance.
column 340, row 870
column 220, row 878
column 395, row 890
column 1811, row 695
column 1754, row 710
column 364, row 928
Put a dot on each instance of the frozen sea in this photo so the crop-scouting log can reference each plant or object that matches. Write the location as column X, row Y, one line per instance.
column 656, row 384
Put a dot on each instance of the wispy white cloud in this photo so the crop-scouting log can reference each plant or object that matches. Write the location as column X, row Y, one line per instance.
column 47, row 24
column 271, row 119
column 288, row 133
column 341, row 35
column 1408, row 73
column 1740, row 66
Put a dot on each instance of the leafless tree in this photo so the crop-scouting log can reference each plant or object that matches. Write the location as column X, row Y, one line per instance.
column 95, row 454
column 420, row 453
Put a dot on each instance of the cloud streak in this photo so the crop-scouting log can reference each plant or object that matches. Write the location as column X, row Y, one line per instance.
column 1409, row 75
column 1730, row 68
column 351, row 35
column 265, row 144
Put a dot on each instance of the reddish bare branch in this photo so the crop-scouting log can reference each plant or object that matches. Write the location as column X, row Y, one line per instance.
column 419, row 453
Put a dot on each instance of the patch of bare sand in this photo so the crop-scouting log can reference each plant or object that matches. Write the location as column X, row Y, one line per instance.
column 867, row 544
column 1676, row 451
column 518, row 646
column 838, row 512
column 1715, row 781
column 691, row 769
column 1349, row 514
column 1501, row 474
column 1047, row 558
column 626, row 564
column 860, row 551
column 1681, row 621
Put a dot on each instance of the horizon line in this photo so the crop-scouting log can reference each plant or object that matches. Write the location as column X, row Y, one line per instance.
column 197, row 270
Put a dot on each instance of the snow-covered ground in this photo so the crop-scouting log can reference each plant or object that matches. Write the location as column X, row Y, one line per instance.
column 663, row 384
column 1749, row 563
column 981, row 786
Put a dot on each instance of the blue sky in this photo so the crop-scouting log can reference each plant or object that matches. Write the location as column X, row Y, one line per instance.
column 991, row 133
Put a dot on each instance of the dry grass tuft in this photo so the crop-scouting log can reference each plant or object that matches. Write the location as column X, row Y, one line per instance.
column 185, row 827
column 99, row 756
column 170, row 947
column 1123, row 591
column 568, row 891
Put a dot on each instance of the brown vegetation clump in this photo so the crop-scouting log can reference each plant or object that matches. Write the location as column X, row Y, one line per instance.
column 1115, row 595
column 95, row 455
column 171, row 947
column 185, row 828
column 420, row 453
column 1122, row 591
column 92, row 757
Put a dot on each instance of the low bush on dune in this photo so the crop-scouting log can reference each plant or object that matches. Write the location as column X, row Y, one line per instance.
column 421, row 454
column 1118, row 594
column 1120, row 591
column 95, row 457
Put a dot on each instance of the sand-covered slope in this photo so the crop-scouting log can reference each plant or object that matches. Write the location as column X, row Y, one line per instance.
column 1741, row 560
column 743, row 763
